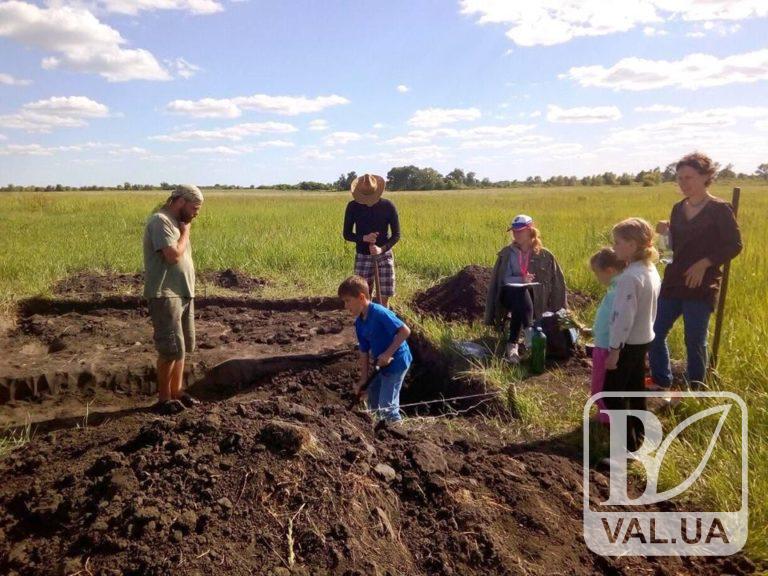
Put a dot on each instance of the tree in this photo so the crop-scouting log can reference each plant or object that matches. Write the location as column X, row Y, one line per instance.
column 610, row 178
column 625, row 179
column 402, row 178
column 428, row 179
column 345, row 182
column 762, row 170
column 457, row 175
column 727, row 172
column 470, row 179
column 670, row 173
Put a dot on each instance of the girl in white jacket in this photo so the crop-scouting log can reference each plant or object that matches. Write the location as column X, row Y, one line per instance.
column 631, row 325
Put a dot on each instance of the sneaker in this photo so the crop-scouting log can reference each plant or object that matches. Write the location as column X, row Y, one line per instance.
column 512, row 355
column 651, row 385
column 168, row 407
column 188, row 400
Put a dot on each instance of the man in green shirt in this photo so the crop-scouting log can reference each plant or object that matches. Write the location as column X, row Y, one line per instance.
column 169, row 287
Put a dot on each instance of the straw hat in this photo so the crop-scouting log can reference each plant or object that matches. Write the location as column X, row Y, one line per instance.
column 367, row 189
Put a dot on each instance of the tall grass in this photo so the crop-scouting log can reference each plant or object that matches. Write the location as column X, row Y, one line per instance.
column 294, row 240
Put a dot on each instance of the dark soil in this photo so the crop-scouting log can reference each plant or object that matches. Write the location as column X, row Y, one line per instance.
column 283, row 479
column 461, row 297
column 64, row 355
column 277, row 472
column 90, row 285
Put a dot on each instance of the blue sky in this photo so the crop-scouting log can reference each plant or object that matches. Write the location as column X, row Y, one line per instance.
column 218, row 91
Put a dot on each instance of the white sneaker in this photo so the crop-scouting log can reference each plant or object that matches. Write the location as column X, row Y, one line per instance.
column 512, row 355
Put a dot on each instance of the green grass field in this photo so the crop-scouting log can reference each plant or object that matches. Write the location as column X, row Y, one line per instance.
column 294, row 240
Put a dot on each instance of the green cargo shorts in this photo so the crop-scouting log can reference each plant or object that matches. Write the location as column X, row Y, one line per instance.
column 173, row 320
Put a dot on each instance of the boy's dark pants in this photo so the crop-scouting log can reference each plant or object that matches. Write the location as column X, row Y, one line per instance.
column 629, row 376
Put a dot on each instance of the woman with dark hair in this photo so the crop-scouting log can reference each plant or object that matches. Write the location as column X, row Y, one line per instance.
column 526, row 282
column 704, row 235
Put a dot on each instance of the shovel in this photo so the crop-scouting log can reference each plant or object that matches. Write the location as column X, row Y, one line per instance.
column 376, row 279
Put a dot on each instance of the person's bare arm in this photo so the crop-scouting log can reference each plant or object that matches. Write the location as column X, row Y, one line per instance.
column 173, row 254
column 363, row 366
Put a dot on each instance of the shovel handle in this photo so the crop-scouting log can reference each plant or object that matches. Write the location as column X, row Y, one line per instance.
column 376, row 279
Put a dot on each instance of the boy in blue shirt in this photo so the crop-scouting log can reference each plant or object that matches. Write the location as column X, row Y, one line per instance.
column 382, row 335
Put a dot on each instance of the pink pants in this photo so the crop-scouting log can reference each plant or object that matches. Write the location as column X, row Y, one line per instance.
column 599, row 356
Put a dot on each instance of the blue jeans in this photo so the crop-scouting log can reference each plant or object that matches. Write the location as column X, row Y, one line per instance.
column 696, row 322
column 384, row 395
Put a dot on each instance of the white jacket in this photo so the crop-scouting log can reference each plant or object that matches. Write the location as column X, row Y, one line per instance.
column 634, row 306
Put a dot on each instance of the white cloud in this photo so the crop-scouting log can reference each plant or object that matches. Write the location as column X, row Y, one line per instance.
column 548, row 22
column 318, row 125
column 233, row 133
column 402, row 88
column 110, row 149
column 651, row 31
column 234, row 107
column 25, row 150
column 434, row 117
column 56, row 112
column 378, row 125
column 341, row 138
column 182, row 68
column 476, row 133
column 688, row 126
column 695, row 34
column 583, row 114
column 82, row 43
column 719, row 28
column 535, row 114
column 9, row 80
column 133, row 7
column 723, row 133
column 205, row 108
column 660, row 108
column 240, row 150
column 692, row 72
column 315, row 153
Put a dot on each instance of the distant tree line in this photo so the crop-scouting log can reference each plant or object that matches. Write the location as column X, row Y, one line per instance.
column 415, row 178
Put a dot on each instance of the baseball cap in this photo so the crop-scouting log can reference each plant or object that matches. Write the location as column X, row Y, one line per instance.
column 521, row 222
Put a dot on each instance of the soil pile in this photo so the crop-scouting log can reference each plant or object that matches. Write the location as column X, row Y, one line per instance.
column 234, row 280
column 284, row 479
column 461, row 297
column 87, row 283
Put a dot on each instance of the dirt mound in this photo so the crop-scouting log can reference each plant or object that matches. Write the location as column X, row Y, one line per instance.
column 461, row 297
column 283, row 479
column 92, row 284
column 234, row 280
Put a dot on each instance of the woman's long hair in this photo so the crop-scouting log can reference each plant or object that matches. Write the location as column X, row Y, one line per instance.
column 536, row 244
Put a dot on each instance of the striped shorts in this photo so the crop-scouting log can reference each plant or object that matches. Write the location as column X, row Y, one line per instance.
column 364, row 268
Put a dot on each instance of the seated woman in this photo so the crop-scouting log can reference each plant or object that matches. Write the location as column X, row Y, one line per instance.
column 523, row 261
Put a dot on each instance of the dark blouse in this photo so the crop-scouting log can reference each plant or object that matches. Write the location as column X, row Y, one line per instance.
column 360, row 220
column 713, row 233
